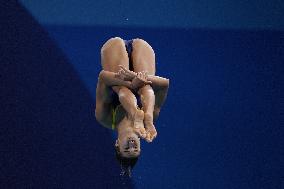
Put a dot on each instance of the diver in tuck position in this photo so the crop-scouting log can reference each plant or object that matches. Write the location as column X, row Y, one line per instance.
column 129, row 71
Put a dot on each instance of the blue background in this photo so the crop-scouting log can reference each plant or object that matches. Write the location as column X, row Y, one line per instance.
column 221, row 126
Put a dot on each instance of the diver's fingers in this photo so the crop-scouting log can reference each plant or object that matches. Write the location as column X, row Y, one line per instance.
column 144, row 76
column 148, row 82
column 117, row 73
column 126, row 70
column 120, row 72
column 122, row 67
column 132, row 74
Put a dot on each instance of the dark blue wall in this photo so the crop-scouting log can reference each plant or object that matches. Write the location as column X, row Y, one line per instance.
column 48, row 134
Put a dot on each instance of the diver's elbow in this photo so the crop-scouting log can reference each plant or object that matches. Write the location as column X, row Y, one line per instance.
column 101, row 75
column 167, row 82
column 98, row 116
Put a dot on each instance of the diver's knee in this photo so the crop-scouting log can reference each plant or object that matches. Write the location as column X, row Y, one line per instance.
column 112, row 42
column 138, row 43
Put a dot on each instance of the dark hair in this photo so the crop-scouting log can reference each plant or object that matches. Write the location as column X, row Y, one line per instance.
column 126, row 164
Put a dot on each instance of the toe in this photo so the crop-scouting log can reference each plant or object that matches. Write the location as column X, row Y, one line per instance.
column 148, row 137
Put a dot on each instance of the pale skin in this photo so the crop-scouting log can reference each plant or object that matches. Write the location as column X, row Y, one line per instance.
column 133, row 123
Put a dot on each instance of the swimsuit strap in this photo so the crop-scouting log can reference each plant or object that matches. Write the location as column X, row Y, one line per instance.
column 113, row 117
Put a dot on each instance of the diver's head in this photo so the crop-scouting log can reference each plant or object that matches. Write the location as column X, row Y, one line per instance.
column 128, row 141
column 127, row 152
column 128, row 145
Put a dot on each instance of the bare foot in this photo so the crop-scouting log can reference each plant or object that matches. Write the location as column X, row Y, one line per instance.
column 138, row 124
column 150, row 128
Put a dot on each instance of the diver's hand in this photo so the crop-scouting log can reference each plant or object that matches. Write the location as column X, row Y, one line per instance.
column 140, row 80
column 125, row 74
column 120, row 75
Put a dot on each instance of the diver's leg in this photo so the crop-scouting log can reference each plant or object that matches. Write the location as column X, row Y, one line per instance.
column 143, row 59
column 148, row 102
column 127, row 100
column 113, row 54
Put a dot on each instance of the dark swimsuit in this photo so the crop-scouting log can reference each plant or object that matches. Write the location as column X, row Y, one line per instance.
column 128, row 46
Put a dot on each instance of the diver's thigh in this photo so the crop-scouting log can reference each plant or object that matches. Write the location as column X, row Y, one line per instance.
column 143, row 57
column 113, row 53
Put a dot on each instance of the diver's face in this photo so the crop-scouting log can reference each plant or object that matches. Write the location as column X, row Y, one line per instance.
column 129, row 146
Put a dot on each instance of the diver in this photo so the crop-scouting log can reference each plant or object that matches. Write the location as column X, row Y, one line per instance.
column 129, row 96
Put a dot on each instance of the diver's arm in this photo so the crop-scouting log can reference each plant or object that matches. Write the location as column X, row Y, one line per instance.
column 160, row 86
column 155, row 81
column 110, row 79
column 158, row 82
column 103, row 110
column 106, row 81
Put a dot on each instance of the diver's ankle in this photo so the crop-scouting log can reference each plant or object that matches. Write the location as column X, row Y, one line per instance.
column 136, row 114
column 148, row 117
